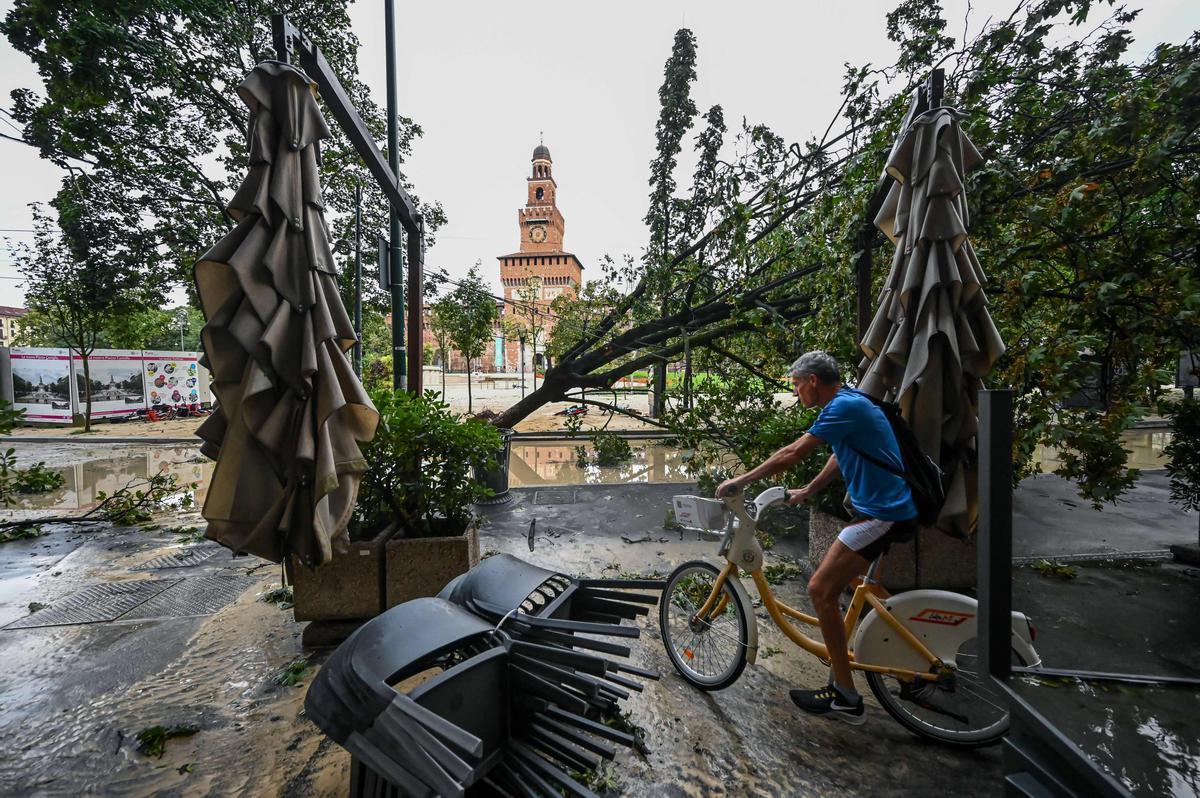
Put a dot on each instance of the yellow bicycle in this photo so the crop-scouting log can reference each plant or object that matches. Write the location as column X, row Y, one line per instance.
column 918, row 649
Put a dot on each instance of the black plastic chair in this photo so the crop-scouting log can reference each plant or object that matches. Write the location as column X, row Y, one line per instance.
column 510, row 694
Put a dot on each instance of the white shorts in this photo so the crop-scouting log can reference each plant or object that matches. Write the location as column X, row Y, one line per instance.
column 860, row 534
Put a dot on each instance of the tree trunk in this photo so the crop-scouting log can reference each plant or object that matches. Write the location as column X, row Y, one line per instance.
column 87, row 392
column 522, row 343
column 443, row 375
column 551, row 391
column 659, row 391
column 468, row 386
column 687, row 374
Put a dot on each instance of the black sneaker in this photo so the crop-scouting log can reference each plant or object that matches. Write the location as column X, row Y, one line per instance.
column 831, row 703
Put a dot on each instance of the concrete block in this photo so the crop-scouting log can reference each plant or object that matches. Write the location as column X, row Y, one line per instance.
column 417, row 567
column 347, row 588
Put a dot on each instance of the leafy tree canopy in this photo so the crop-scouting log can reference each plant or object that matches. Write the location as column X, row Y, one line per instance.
column 1084, row 217
column 470, row 316
column 137, row 99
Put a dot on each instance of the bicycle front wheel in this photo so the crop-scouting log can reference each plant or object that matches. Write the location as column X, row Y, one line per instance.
column 709, row 652
column 966, row 712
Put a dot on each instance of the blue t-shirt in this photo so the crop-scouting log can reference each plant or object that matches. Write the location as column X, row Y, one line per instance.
column 850, row 419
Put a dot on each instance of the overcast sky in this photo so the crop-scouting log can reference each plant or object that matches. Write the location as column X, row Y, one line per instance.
column 484, row 79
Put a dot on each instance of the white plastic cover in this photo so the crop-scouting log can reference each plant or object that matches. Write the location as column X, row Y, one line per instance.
column 696, row 512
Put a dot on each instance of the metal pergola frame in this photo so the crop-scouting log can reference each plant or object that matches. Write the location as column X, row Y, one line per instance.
column 287, row 38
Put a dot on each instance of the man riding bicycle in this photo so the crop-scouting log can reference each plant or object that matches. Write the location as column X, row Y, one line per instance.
column 884, row 512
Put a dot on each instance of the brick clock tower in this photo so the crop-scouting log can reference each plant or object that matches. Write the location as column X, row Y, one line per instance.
column 541, row 270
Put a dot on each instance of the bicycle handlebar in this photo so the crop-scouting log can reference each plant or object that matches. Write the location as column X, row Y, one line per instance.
column 771, row 496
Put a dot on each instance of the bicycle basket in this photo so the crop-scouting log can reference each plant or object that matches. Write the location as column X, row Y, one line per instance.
column 695, row 512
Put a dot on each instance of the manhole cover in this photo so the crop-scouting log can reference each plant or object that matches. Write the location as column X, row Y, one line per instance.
column 95, row 604
column 554, row 496
column 180, row 559
column 200, row 595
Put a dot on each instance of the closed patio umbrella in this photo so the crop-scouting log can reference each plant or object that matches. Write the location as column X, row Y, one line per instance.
column 291, row 410
column 932, row 340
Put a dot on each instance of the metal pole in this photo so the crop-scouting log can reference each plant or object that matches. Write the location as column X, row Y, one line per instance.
column 279, row 26
column 416, row 310
column 399, row 355
column 995, row 531
column 358, row 280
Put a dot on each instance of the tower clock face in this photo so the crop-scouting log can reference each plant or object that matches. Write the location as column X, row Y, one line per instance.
column 538, row 234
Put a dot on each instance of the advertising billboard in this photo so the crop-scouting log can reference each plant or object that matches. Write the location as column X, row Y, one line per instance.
column 118, row 387
column 172, row 378
column 42, row 384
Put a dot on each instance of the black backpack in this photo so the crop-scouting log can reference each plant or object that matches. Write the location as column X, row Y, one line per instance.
column 925, row 478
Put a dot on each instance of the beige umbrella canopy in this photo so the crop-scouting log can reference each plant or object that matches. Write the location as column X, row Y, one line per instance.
column 291, row 410
column 932, row 339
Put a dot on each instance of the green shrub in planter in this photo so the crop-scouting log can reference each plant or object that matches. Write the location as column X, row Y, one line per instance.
column 420, row 467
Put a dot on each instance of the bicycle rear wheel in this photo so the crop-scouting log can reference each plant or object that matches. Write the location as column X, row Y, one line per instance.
column 967, row 713
column 709, row 653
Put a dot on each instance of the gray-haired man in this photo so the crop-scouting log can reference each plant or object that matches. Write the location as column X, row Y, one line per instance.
column 884, row 511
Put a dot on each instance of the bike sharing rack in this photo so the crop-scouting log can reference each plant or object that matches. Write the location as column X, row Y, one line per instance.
column 1039, row 760
column 511, row 682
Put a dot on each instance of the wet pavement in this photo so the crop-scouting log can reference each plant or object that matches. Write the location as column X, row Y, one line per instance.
column 747, row 739
column 1145, row 736
column 1119, row 616
column 195, row 649
column 78, row 694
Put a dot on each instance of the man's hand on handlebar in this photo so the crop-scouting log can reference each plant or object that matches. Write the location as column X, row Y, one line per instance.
column 730, row 487
column 799, row 495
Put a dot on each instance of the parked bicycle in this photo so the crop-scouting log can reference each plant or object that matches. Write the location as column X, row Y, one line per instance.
column 918, row 649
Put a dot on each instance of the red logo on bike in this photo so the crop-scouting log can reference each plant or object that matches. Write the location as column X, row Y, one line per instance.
column 942, row 617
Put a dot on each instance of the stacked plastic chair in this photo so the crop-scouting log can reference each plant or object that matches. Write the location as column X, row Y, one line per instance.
column 513, row 689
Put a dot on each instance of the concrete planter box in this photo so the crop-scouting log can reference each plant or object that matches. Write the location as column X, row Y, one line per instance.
column 371, row 576
column 417, row 567
column 932, row 559
column 347, row 588
column 823, row 529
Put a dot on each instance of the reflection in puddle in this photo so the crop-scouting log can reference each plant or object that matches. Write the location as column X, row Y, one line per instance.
column 553, row 463
column 532, row 463
column 1147, row 737
column 1145, row 448
column 84, row 480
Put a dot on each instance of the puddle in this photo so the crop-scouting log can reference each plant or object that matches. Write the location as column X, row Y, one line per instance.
column 1147, row 737
column 554, row 463
column 83, row 480
column 1144, row 448
column 532, row 463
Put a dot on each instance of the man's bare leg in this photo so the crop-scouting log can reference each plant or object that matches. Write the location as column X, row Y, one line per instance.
column 840, row 565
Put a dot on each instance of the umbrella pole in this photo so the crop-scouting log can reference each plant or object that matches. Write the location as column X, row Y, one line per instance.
column 358, row 281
